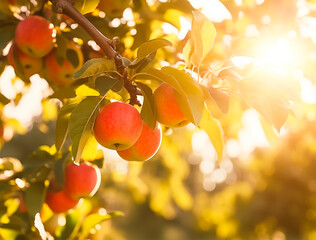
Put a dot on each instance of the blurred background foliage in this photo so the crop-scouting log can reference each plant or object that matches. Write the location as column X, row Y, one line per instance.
column 265, row 186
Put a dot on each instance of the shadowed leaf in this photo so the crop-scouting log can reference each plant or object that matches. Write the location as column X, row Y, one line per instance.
column 59, row 167
column 35, row 197
column 95, row 66
column 105, row 83
column 148, row 112
column 7, row 34
column 63, row 121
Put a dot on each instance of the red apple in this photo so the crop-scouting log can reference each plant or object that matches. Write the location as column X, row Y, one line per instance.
column 82, row 180
column 28, row 65
column 60, row 202
column 62, row 74
column 118, row 126
column 168, row 110
column 34, row 36
column 146, row 146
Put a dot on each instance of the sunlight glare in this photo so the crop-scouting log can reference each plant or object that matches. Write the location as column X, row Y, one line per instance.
column 212, row 9
column 277, row 53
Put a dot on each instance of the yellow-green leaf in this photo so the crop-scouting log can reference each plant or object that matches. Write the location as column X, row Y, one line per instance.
column 211, row 105
column 202, row 37
column 214, row 130
column 150, row 46
column 86, row 6
column 187, row 53
column 81, row 124
column 94, row 219
column 91, row 151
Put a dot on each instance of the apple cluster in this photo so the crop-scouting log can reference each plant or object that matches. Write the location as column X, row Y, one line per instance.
column 33, row 51
column 80, row 181
column 120, row 127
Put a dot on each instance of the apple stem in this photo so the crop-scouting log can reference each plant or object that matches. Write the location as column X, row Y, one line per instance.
column 107, row 45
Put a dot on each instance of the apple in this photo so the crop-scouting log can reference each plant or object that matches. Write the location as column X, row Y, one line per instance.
column 81, row 180
column 34, row 36
column 62, row 74
column 60, row 202
column 146, row 146
column 168, row 110
column 118, row 126
column 28, row 65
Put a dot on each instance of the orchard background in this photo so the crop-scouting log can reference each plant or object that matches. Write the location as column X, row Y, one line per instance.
column 238, row 163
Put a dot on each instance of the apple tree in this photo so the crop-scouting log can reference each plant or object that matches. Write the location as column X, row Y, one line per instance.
column 116, row 77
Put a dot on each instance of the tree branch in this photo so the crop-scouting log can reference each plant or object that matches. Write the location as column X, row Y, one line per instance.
column 107, row 45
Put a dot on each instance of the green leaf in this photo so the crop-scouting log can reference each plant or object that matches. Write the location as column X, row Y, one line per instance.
column 202, row 39
column 149, row 47
column 61, row 50
column 93, row 219
column 7, row 34
column 94, row 67
column 70, row 230
column 105, row 83
column 214, row 130
column 81, row 124
column 72, row 57
column 37, row 158
column 59, row 170
column 20, row 223
column 64, row 92
column 148, row 112
column 139, row 65
column 86, row 6
column 63, row 121
column 35, row 197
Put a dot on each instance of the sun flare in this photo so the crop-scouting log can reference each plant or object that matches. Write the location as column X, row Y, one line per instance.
column 279, row 52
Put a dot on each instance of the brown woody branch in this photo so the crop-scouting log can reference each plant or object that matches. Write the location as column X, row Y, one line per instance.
column 107, row 45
